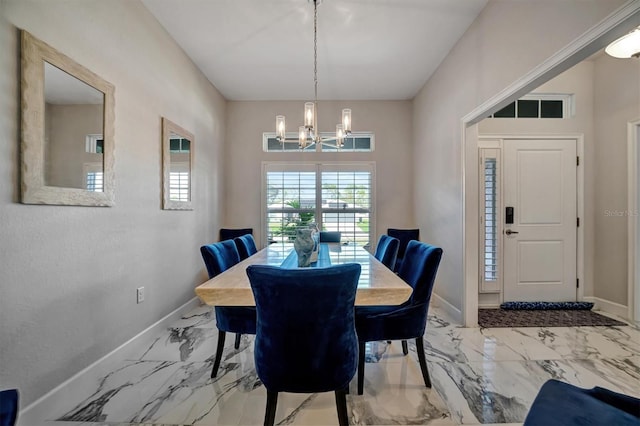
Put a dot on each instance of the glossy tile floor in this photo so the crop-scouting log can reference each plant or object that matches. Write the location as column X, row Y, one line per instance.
column 480, row 376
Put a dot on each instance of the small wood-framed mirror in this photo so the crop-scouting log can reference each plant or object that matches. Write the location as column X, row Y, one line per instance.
column 177, row 166
column 67, row 130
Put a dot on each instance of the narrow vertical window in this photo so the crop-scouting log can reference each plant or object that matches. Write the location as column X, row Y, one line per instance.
column 490, row 212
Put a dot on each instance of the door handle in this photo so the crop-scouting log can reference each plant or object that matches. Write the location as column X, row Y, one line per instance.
column 509, row 232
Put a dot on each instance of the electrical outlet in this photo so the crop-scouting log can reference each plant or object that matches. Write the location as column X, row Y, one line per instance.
column 140, row 295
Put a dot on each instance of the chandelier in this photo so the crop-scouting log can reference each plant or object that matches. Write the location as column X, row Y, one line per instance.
column 308, row 133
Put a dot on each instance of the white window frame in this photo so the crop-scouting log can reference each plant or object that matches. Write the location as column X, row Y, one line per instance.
column 317, row 147
column 568, row 104
column 318, row 168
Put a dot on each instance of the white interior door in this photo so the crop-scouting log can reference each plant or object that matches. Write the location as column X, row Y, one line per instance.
column 539, row 183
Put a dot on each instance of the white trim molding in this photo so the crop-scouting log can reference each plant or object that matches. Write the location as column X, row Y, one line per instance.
column 633, row 239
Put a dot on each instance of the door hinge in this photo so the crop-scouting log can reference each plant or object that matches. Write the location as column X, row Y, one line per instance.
column 577, row 282
column 577, row 161
column 578, row 222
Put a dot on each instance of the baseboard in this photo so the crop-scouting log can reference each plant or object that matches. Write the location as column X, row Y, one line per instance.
column 454, row 313
column 46, row 405
column 616, row 309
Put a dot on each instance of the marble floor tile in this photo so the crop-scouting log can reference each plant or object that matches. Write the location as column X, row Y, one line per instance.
column 121, row 392
column 202, row 316
column 479, row 376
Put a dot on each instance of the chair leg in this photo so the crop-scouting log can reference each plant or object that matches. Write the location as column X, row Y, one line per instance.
column 423, row 361
column 270, row 412
column 341, row 405
column 216, row 362
column 361, row 367
column 236, row 345
column 405, row 348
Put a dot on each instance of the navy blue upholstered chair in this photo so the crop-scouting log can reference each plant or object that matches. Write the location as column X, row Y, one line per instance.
column 218, row 257
column 387, row 251
column 246, row 246
column 8, row 407
column 311, row 310
column 231, row 233
column 404, row 235
column 562, row 404
column 405, row 321
column 330, row 236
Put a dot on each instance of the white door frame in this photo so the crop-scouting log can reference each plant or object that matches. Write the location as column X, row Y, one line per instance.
column 618, row 23
column 633, row 158
column 579, row 138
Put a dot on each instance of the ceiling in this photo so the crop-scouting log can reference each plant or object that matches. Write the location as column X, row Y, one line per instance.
column 367, row 49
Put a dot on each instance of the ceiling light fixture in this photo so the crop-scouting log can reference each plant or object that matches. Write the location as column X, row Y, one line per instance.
column 627, row 46
column 308, row 134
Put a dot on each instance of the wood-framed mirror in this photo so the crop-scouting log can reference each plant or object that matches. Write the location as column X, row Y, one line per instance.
column 67, row 146
column 177, row 166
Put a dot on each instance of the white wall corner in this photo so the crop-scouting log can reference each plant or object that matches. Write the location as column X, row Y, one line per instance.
column 616, row 309
column 452, row 312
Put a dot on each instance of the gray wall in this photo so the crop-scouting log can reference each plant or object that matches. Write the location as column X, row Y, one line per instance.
column 68, row 274
column 506, row 41
column 390, row 121
column 617, row 101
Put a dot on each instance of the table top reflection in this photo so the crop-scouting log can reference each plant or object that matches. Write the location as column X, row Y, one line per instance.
column 378, row 285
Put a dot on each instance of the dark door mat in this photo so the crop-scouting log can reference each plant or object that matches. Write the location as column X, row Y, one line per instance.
column 547, row 305
column 488, row 318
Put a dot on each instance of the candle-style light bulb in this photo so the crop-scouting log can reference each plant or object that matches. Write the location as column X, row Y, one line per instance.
column 280, row 128
column 308, row 114
column 346, row 120
column 339, row 135
column 302, row 137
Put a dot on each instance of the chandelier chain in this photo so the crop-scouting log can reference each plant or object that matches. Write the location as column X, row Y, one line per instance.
column 315, row 50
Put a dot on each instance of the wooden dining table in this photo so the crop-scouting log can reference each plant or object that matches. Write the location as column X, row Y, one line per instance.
column 378, row 285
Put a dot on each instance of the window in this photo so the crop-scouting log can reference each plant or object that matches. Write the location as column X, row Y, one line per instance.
column 94, row 143
column 490, row 280
column 336, row 197
column 179, row 145
column 538, row 105
column 179, row 186
column 93, row 176
column 95, row 181
column 357, row 142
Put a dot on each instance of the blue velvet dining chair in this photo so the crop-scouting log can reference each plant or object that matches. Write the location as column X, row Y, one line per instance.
column 231, row 233
column 387, row 251
column 8, row 407
column 218, row 257
column 330, row 236
column 405, row 321
column 404, row 235
column 311, row 310
column 563, row 404
column 246, row 246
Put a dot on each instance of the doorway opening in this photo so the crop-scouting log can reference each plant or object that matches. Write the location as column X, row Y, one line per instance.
column 617, row 24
